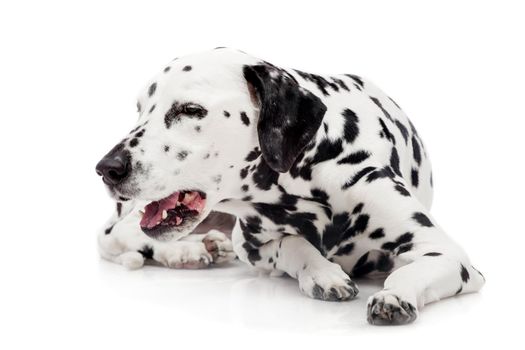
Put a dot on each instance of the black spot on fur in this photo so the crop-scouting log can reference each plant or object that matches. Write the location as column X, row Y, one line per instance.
column 186, row 68
column 226, row 114
column 402, row 190
column 152, row 109
column 254, row 256
column 358, row 208
column 465, row 276
column 357, row 176
column 404, row 238
column 363, row 266
column 473, row 268
column 376, row 234
column 321, row 83
column 402, row 129
column 108, row 230
column 253, row 155
column 152, row 88
column 245, row 119
column 394, row 102
column 422, row 219
column 134, row 142
column 416, row 151
column 304, row 170
column 460, row 289
column 139, row 107
column 358, row 81
column 404, row 248
column 198, row 128
column 387, row 132
column 182, row 155
column 351, row 128
column 264, row 176
column 288, row 201
column 217, row 179
column 321, row 197
column 341, row 228
column 327, row 150
column 345, row 250
column 147, row 252
column 432, row 254
column 341, row 83
column 301, row 221
column 245, row 188
column 394, row 161
column 385, row 112
column 167, row 69
column 414, row 175
column 355, row 158
column 244, row 172
column 359, row 226
column 250, row 226
column 119, row 209
column 382, row 173
column 384, row 263
column 166, row 148
column 333, row 231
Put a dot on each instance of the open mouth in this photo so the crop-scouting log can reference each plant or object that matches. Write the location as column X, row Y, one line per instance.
column 176, row 211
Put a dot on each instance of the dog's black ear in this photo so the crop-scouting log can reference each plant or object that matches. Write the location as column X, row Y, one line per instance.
column 289, row 115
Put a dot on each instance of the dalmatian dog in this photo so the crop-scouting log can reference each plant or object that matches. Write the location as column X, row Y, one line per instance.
column 327, row 178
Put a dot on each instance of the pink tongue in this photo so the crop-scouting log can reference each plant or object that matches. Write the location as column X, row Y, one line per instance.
column 153, row 211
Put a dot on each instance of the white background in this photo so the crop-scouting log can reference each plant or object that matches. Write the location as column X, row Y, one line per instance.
column 69, row 75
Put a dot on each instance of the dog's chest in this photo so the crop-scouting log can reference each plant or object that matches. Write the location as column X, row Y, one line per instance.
column 311, row 217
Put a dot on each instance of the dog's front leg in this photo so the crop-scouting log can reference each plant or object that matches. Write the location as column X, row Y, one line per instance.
column 123, row 242
column 318, row 278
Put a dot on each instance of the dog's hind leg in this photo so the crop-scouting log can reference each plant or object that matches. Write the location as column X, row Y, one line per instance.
column 427, row 264
column 431, row 276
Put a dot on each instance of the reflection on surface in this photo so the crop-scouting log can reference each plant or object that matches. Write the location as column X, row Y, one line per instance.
column 240, row 296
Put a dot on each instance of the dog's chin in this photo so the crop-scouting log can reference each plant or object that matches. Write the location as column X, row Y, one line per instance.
column 174, row 216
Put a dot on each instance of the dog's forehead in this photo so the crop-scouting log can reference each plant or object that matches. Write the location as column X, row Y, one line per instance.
column 197, row 75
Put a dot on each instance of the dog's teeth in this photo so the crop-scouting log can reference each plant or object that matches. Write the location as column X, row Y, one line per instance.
column 141, row 213
column 164, row 214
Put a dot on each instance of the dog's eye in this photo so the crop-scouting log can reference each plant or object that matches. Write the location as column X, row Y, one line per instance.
column 192, row 109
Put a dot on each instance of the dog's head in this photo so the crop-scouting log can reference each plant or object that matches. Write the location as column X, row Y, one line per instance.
column 199, row 120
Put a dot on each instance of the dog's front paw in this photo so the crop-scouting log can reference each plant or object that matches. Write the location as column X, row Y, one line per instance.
column 131, row 260
column 386, row 308
column 187, row 256
column 327, row 283
column 219, row 246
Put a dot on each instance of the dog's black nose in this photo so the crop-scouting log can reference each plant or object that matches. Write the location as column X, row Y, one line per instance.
column 114, row 167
